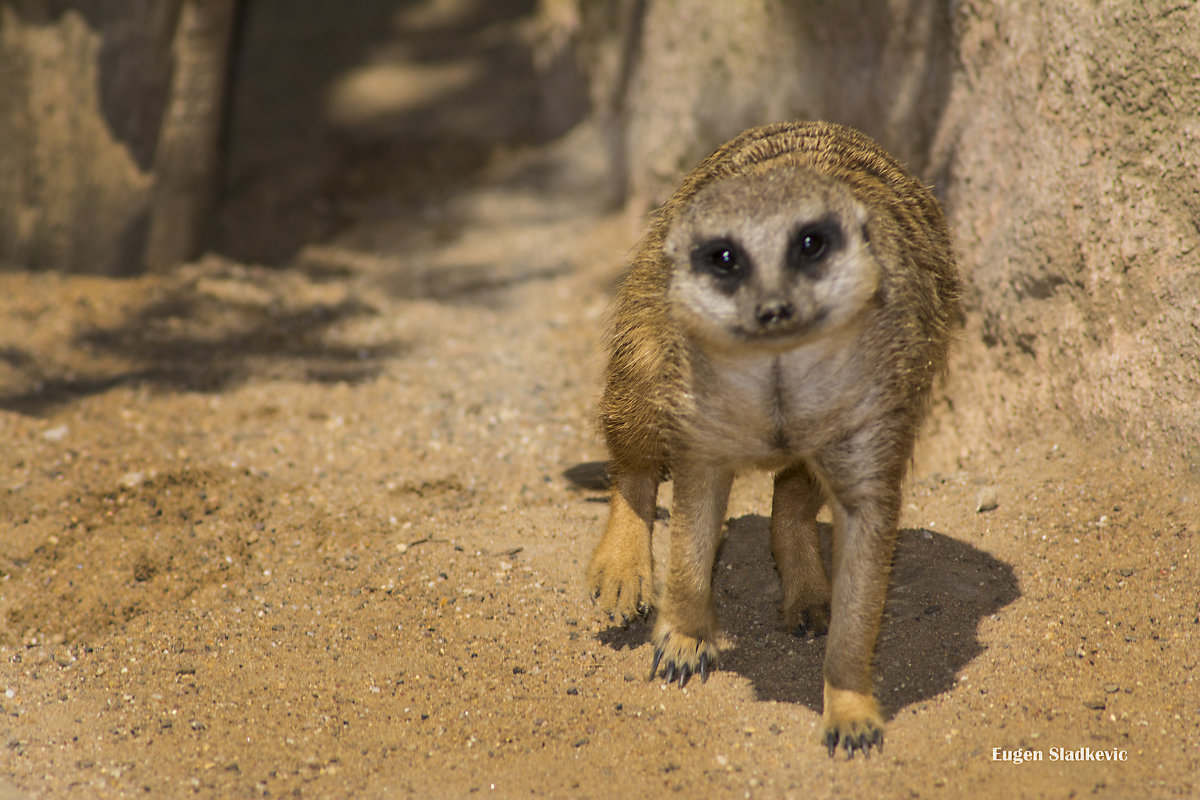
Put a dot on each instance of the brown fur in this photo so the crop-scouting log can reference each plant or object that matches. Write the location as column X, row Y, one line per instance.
column 837, row 408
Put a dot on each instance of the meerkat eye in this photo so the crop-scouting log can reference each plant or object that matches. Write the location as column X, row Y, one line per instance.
column 812, row 243
column 719, row 258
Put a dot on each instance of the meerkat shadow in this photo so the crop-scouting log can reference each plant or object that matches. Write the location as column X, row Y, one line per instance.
column 589, row 476
column 940, row 591
column 629, row 636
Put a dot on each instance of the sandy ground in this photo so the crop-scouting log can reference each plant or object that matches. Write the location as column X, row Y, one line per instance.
column 306, row 531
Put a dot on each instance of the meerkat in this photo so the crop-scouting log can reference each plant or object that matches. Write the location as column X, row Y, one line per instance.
column 789, row 310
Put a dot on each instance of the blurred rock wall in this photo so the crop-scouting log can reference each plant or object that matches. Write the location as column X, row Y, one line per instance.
column 1068, row 155
column 1062, row 138
column 109, row 125
column 81, row 93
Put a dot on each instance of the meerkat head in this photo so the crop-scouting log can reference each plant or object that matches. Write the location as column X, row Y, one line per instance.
column 770, row 258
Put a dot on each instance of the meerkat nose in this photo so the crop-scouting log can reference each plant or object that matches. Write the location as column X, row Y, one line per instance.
column 773, row 312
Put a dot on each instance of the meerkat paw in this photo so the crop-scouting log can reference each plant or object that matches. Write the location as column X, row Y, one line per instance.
column 683, row 656
column 811, row 619
column 621, row 583
column 851, row 719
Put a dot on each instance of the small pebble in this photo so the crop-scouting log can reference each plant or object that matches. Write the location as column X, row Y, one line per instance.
column 132, row 480
column 56, row 434
column 988, row 499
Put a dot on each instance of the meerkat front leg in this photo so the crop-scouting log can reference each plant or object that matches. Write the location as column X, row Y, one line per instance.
column 797, row 550
column 621, row 573
column 864, row 538
column 685, row 635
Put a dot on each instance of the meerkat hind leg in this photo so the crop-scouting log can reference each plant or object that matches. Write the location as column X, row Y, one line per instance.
column 685, row 634
column 620, row 574
column 797, row 551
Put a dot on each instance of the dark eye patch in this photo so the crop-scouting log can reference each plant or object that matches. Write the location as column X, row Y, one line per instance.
column 812, row 244
column 722, row 260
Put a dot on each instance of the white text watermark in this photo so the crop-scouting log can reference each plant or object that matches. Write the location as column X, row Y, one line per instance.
column 1059, row 754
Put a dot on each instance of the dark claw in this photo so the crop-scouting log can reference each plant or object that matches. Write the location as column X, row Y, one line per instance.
column 685, row 673
column 658, row 654
column 704, row 667
column 863, row 741
column 869, row 739
column 669, row 672
column 851, row 744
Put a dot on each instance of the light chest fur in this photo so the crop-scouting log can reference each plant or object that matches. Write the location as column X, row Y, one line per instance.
column 765, row 410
